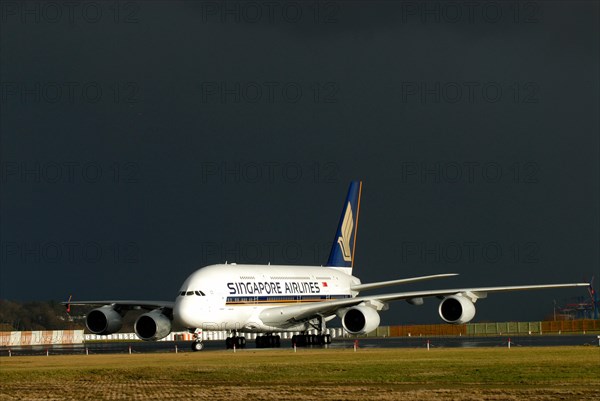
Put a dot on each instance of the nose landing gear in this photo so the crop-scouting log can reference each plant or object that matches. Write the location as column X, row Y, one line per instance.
column 197, row 344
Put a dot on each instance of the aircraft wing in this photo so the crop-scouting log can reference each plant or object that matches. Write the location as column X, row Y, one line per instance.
column 380, row 284
column 292, row 314
column 127, row 304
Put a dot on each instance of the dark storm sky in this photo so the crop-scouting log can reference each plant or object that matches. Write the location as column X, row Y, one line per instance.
column 142, row 141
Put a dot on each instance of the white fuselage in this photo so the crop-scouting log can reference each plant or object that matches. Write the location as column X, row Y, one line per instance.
column 231, row 297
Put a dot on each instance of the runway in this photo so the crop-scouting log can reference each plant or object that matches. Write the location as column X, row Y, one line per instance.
column 395, row 342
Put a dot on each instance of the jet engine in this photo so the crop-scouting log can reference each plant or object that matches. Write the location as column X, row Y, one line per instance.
column 152, row 326
column 104, row 320
column 360, row 320
column 457, row 309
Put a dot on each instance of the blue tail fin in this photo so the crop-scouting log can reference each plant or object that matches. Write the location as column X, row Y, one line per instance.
column 344, row 242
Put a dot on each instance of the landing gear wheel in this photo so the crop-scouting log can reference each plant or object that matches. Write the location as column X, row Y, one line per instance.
column 268, row 341
column 235, row 342
column 197, row 346
column 304, row 340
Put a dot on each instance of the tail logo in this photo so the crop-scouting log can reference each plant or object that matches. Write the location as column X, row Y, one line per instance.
column 346, row 231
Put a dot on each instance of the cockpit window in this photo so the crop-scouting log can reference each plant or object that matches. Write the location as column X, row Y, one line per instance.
column 198, row 293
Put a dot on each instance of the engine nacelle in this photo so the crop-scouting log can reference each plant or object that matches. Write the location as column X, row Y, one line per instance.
column 360, row 320
column 104, row 320
column 457, row 309
column 152, row 326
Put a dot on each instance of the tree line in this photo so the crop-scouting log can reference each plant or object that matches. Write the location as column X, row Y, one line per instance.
column 36, row 315
column 49, row 315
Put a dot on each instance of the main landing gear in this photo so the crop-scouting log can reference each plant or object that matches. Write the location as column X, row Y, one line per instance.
column 302, row 340
column 235, row 342
column 268, row 341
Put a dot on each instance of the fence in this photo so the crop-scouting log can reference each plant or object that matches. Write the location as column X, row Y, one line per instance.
column 428, row 330
column 496, row 328
column 17, row 338
column 571, row 326
column 469, row 329
column 500, row 328
column 45, row 337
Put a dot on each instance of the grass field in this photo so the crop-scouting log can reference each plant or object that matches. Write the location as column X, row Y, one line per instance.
column 568, row 373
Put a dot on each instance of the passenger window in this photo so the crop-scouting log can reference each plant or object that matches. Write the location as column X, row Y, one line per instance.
column 190, row 293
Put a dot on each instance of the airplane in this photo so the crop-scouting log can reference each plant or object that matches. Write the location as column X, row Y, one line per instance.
column 268, row 299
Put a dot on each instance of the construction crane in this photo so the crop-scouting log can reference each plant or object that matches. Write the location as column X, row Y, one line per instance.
column 580, row 307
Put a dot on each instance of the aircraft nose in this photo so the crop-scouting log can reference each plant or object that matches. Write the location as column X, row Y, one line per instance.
column 182, row 312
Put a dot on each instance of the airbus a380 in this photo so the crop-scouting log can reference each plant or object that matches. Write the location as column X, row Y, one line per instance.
column 268, row 299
